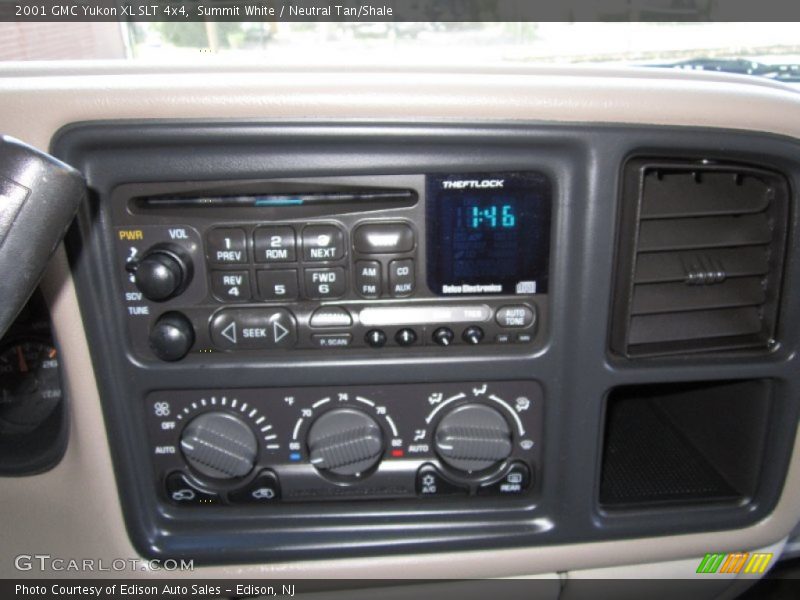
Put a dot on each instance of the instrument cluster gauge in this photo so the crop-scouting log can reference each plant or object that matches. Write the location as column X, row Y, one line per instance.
column 30, row 384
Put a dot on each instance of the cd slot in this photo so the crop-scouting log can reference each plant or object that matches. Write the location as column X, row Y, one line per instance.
column 386, row 199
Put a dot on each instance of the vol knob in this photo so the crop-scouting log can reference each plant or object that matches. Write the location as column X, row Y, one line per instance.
column 219, row 445
column 472, row 438
column 163, row 272
column 345, row 441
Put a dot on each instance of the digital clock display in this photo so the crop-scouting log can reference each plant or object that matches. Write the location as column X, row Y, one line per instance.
column 488, row 233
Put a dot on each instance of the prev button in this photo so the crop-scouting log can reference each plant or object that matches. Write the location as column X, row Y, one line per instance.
column 248, row 328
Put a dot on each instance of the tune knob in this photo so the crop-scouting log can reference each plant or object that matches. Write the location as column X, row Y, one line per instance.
column 172, row 336
column 345, row 441
column 472, row 438
column 220, row 445
column 163, row 272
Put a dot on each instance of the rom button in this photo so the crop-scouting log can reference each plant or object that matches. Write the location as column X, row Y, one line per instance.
column 247, row 329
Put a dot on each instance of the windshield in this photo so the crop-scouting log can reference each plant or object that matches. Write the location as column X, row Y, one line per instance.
column 407, row 43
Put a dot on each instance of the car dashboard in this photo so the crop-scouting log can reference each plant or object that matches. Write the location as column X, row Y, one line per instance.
column 419, row 323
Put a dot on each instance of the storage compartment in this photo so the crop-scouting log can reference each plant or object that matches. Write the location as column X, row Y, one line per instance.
column 684, row 443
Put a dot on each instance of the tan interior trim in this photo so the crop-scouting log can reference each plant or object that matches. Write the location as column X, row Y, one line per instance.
column 73, row 510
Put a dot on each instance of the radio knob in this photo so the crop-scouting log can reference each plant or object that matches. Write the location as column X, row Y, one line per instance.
column 163, row 272
column 472, row 438
column 345, row 442
column 219, row 445
column 172, row 336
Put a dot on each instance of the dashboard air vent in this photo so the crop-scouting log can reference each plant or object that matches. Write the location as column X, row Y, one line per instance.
column 700, row 257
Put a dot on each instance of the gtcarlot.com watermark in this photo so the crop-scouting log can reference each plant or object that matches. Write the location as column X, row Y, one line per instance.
column 47, row 562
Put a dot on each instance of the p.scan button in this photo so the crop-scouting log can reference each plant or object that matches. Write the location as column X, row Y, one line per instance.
column 253, row 328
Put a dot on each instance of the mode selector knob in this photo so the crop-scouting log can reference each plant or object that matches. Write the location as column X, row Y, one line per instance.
column 163, row 272
column 472, row 438
column 345, row 441
column 220, row 445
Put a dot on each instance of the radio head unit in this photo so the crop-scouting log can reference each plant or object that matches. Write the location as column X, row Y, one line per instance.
column 371, row 262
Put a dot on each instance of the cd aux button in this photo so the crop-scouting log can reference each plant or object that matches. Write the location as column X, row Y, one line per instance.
column 401, row 278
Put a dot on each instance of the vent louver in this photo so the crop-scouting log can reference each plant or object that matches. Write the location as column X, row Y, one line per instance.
column 700, row 259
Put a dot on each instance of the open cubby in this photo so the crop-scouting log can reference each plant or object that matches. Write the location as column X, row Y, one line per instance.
column 683, row 443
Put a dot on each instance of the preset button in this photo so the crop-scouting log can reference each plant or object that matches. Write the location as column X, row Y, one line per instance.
column 322, row 242
column 231, row 286
column 325, row 283
column 227, row 246
column 275, row 244
column 277, row 285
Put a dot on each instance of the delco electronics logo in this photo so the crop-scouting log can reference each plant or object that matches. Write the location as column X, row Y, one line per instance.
column 732, row 563
column 474, row 184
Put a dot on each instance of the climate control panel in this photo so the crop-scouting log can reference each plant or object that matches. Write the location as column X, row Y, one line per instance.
column 262, row 446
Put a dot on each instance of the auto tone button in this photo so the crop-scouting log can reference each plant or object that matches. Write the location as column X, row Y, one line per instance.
column 517, row 316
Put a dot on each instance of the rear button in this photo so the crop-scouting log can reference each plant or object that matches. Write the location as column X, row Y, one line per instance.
column 516, row 480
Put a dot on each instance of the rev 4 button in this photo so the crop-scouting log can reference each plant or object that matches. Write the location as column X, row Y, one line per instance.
column 253, row 328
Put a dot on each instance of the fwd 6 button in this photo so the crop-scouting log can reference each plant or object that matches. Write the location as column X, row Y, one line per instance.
column 253, row 328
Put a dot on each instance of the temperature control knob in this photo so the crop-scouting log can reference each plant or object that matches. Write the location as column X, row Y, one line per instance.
column 345, row 441
column 163, row 272
column 219, row 445
column 472, row 438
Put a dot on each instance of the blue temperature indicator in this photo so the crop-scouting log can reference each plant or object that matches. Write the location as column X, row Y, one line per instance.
column 492, row 217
